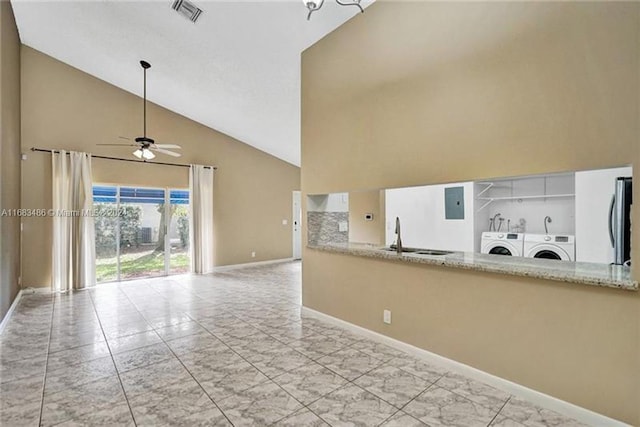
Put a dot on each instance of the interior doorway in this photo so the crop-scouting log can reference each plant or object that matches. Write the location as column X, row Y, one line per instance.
column 297, row 225
column 140, row 232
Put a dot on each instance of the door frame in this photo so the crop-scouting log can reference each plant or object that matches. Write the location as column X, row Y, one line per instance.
column 296, row 224
column 167, row 243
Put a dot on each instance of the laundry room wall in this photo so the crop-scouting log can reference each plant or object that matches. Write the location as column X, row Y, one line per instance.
column 421, row 211
column 525, row 202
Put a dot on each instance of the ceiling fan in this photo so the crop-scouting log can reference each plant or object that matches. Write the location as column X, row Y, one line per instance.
column 145, row 146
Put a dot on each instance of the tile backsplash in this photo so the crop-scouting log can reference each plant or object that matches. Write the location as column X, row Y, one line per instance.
column 324, row 227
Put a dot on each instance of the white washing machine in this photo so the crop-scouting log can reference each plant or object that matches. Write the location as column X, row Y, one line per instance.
column 550, row 246
column 497, row 243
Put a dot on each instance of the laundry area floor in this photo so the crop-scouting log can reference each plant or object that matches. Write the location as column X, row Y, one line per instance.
column 229, row 348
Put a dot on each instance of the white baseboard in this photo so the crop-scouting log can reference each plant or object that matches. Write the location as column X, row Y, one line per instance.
column 7, row 316
column 39, row 290
column 543, row 400
column 250, row 264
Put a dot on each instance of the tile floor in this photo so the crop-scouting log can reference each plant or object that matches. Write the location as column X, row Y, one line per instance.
column 226, row 349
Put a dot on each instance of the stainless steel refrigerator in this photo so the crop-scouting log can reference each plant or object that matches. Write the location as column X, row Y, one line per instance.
column 620, row 221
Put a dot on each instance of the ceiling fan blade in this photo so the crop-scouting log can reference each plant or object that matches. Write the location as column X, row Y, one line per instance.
column 124, row 137
column 160, row 150
column 168, row 146
column 119, row 145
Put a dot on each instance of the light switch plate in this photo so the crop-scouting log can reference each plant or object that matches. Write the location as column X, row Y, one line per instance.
column 284, row 222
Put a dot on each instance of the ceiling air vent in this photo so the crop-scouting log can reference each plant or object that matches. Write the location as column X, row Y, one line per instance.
column 187, row 9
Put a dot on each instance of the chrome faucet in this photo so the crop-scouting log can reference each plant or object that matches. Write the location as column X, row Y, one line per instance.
column 547, row 220
column 494, row 222
column 398, row 240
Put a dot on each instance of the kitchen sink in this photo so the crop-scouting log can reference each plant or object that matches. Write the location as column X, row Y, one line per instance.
column 418, row 251
column 408, row 250
column 433, row 252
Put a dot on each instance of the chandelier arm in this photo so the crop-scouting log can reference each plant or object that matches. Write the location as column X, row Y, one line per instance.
column 314, row 8
column 355, row 3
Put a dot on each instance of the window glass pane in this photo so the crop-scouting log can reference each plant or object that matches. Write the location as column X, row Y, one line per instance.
column 104, row 194
column 179, row 232
column 106, row 233
column 179, row 197
column 141, row 195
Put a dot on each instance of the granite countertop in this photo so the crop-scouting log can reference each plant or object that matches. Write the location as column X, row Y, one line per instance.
column 612, row 276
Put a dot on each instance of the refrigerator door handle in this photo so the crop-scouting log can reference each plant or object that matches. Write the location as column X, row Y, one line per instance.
column 611, row 219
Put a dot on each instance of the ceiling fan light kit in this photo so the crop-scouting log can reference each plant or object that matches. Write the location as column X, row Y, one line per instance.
column 144, row 153
column 313, row 5
column 148, row 154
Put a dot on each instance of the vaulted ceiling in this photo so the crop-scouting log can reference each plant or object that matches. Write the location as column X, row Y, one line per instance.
column 236, row 70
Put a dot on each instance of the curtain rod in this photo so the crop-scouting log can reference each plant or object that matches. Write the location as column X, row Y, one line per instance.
column 43, row 150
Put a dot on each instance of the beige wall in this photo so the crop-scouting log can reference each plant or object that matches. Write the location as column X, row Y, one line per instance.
column 9, row 156
column 65, row 108
column 420, row 93
column 361, row 230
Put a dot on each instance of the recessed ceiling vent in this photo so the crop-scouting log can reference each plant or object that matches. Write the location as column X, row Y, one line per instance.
column 187, row 9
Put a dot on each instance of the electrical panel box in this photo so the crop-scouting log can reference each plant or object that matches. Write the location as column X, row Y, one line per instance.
column 454, row 203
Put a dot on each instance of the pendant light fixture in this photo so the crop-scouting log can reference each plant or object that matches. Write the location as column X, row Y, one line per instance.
column 313, row 5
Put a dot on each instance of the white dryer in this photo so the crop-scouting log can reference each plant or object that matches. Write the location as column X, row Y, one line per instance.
column 549, row 246
column 497, row 243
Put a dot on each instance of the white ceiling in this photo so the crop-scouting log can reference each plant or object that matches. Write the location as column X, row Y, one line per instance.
column 237, row 70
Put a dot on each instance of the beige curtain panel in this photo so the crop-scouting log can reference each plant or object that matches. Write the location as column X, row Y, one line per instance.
column 73, row 249
column 201, row 218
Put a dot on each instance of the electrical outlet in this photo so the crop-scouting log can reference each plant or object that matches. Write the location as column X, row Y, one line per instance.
column 386, row 316
column 253, row 254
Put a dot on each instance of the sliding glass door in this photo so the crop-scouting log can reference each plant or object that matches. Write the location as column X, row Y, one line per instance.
column 142, row 232
column 147, row 237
